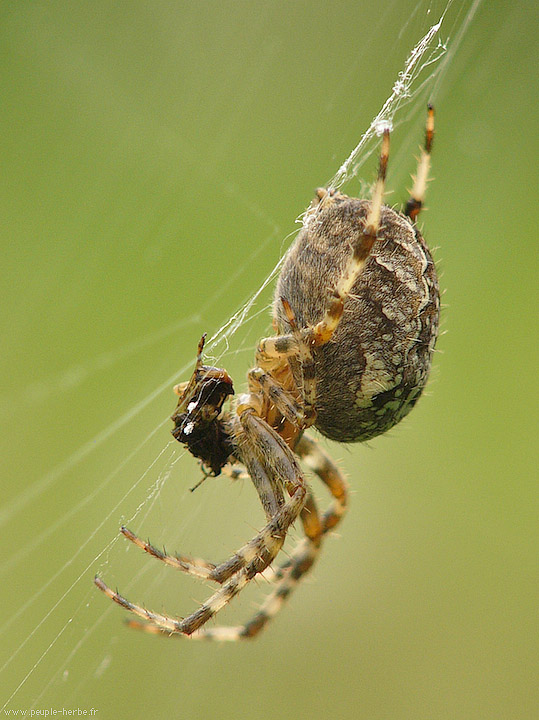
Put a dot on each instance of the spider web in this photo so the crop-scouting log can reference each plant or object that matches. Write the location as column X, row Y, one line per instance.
column 62, row 617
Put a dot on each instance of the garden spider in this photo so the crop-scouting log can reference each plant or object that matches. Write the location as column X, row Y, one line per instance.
column 356, row 315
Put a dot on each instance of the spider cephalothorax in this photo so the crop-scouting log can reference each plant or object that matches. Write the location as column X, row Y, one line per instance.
column 356, row 312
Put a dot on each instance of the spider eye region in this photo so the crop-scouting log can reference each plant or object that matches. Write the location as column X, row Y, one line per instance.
column 198, row 422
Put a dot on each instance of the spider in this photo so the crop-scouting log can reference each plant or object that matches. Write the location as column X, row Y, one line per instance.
column 356, row 317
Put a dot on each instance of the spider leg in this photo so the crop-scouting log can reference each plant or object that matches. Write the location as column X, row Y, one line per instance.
column 288, row 575
column 278, row 457
column 322, row 332
column 321, row 464
column 197, row 567
column 263, row 548
column 188, row 625
column 299, row 342
column 271, row 355
column 271, row 497
column 302, row 558
column 297, row 345
column 305, row 553
column 417, row 195
column 283, row 400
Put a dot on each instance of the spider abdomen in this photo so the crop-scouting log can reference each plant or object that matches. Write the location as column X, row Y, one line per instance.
column 370, row 374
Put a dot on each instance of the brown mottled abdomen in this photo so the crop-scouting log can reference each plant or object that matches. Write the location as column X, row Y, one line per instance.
column 369, row 376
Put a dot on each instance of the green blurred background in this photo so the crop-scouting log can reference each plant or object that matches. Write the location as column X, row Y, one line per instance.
column 155, row 156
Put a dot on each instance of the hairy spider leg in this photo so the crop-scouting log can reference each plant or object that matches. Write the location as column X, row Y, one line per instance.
column 305, row 553
column 305, row 363
column 417, row 194
column 287, row 575
column 193, row 566
column 283, row 401
column 320, row 463
column 302, row 558
column 296, row 346
column 272, row 499
column 322, row 332
column 271, row 354
column 265, row 546
column 191, row 623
